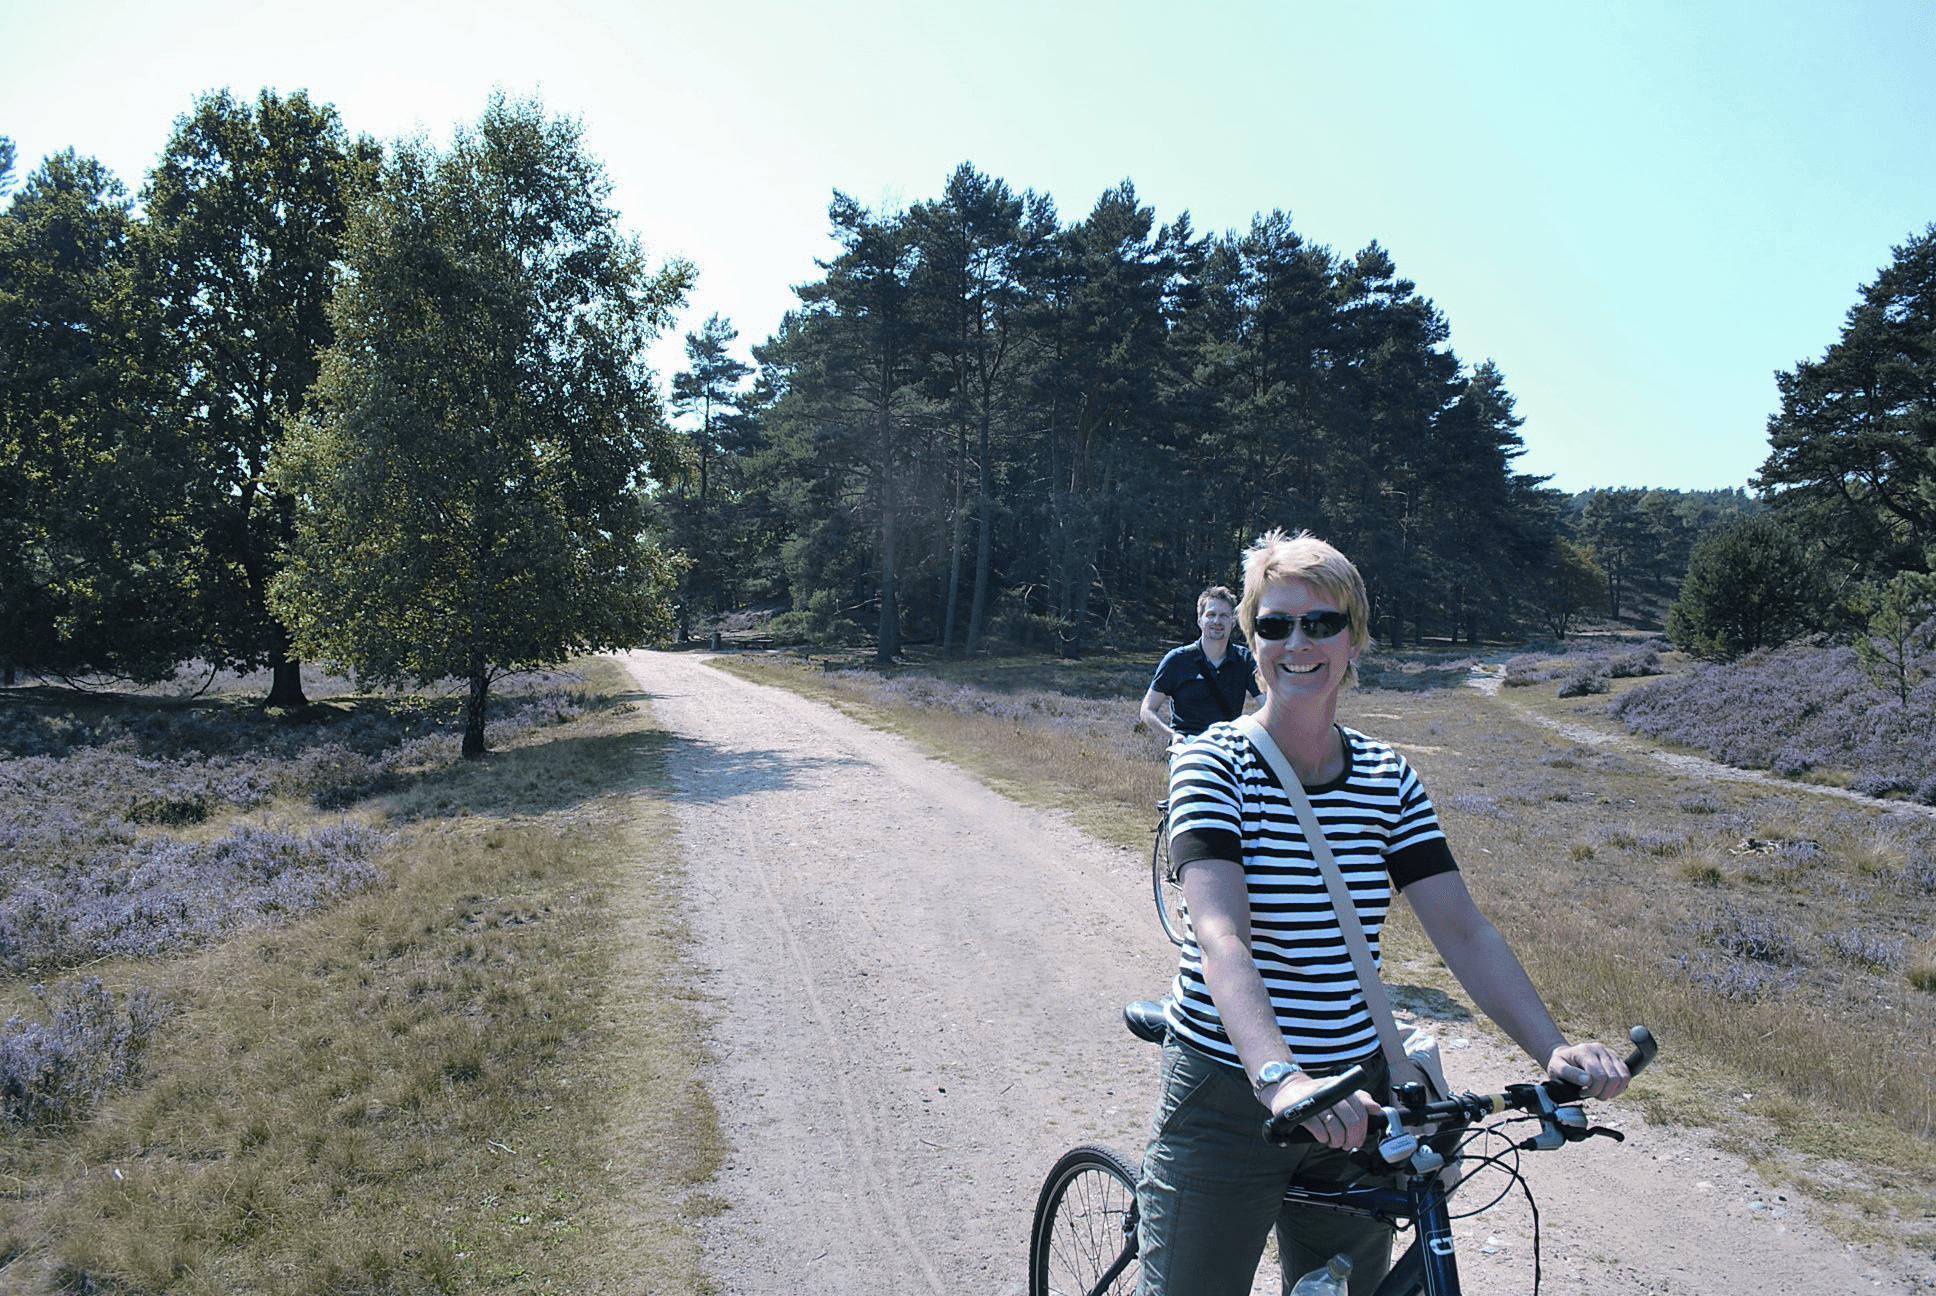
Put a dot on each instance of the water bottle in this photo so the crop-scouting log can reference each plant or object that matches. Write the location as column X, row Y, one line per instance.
column 1328, row 1281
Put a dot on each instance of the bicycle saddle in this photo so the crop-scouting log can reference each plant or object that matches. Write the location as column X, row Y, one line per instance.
column 1145, row 1020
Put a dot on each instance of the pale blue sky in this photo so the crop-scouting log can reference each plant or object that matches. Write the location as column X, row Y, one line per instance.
column 1639, row 212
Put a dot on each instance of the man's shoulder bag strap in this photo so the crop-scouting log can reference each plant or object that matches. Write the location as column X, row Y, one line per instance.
column 1216, row 689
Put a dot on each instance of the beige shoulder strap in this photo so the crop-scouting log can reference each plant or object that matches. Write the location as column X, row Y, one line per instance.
column 1349, row 922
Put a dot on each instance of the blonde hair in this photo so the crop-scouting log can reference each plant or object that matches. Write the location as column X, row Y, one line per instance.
column 1275, row 556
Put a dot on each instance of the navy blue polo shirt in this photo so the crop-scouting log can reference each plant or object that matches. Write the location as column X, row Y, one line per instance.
column 1193, row 707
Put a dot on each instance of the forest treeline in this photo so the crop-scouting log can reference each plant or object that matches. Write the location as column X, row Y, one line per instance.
column 303, row 395
column 984, row 421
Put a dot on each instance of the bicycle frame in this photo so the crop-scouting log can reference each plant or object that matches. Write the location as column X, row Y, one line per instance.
column 1429, row 1264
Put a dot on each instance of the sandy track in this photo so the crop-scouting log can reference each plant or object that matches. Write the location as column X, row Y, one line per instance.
column 920, row 984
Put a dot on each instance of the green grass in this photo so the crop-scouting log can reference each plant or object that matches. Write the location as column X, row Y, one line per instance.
column 480, row 1076
column 1598, row 867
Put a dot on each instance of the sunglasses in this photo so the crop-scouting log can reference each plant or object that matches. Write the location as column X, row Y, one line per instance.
column 1317, row 625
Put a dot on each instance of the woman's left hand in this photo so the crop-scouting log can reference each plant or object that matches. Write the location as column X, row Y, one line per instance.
column 1594, row 1067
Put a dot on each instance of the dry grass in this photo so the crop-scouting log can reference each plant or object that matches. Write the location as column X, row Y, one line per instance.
column 1081, row 753
column 481, row 1075
column 1602, row 869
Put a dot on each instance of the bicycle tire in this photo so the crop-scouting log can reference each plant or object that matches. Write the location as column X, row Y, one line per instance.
column 1169, row 894
column 1085, row 1227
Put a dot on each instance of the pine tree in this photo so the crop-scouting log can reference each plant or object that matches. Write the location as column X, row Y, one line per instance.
column 1849, row 462
column 1749, row 585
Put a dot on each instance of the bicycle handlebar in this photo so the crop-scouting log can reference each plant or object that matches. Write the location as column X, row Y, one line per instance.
column 1544, row 1100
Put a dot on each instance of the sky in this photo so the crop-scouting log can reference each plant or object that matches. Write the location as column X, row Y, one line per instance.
column 1639, row 212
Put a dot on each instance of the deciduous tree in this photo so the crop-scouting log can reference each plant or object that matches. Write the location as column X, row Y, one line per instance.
column 246, row 213
column 1572, row 586
column 471, row 479
column 96, row 549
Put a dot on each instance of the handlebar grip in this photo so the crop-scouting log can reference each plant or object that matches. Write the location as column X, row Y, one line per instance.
column 1645, row 1047
column 1284, row 1126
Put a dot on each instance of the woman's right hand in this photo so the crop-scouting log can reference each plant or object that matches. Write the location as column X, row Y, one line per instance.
column 1342, row 1125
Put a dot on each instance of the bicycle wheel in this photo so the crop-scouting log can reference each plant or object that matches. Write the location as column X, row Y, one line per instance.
column 1169, row 895
column 1084, row 1239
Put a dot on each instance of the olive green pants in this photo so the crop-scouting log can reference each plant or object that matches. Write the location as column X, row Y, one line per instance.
column 1212, row 1188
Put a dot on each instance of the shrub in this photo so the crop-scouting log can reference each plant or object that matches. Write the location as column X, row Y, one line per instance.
column 1528, row 669
column 1748, row 586
column 1475, row 803
column 1916, row 875
column 1875, row 783
column 82, row 875
column 1765, row 940
column 55, row 1071
column 1864, row 949
column 1794, row 711
column 1631, row 665
column 161, row 895
column 1735, row 980
column 1586, row 681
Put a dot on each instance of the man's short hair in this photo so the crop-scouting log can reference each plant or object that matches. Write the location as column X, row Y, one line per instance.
column 1215, row 592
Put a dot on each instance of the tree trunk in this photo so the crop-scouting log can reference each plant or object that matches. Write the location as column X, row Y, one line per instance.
column 889, row 630
column 984, row 507
column 955, row 542
column 286, row 689
column 474, row 711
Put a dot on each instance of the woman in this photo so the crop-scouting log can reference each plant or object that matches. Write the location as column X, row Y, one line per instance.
column 1265, row 1001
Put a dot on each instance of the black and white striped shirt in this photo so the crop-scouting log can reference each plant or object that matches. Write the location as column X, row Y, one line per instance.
column 1225, row 803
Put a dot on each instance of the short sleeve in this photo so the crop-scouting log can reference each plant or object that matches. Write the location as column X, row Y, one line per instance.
column 1417, row 847
column 1206, row 805
column 1169, row 673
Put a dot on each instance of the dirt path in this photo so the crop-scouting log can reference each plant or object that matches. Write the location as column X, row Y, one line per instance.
column 920, row 984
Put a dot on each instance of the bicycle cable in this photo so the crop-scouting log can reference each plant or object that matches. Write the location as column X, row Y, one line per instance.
column 1514, row 1175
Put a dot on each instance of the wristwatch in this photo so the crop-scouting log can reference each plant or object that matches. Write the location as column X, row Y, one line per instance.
column 1271, row 1072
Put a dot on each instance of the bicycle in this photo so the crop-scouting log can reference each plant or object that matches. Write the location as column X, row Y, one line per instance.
column 1169, row 893
column 1084, row 1240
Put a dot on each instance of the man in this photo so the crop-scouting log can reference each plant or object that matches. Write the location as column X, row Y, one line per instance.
column 1202, row 682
